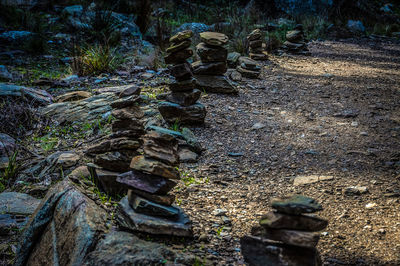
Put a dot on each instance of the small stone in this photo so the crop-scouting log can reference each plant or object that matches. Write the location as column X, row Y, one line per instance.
column 248, row 63
column 17, row 203
column 147, row 207
column 258, row 56
column 296, row 205
column 277, row 220
column 187, row 156
column 73, row 96
column 310, row 179
column 355, row 190
column 178, row 57
column 214, row 38
column 233, row 59
column 255, row 35
column 235, row 75
column 210, row 54
column 215, row 84
column 214, row 68
column 248, row 73
column 150, row 166
column 294, row 36
column 290, row 237
column 159, row 146
column 185, row 98
column 203, row 238
column 255, row 43
column 128, row 218
column 181, row 36
column 130, row 91
column 364, row 133
column 185, row 115
column 219, row 212
column 80, row 172
column 114, row 161
column 148, row 183
column 370, row 205
column 257, row 126
column 181, row 71
column 183, row 86
column 175, row 47
column 68, row 159
column 125, row 102
column 166, row 200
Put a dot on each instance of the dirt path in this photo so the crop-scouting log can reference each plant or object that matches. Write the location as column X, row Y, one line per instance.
column 337, row 114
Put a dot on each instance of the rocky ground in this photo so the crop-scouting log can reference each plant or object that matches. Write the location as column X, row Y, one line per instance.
column 334, row 115
column 325, row 126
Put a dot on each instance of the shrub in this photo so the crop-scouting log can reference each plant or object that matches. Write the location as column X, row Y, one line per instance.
column 95, row 60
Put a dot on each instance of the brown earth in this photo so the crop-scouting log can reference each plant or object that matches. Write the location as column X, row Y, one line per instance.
column 336, row 113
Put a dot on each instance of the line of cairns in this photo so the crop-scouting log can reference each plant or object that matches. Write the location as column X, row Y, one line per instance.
column 286, row 236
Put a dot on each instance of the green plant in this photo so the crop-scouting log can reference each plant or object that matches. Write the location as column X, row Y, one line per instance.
column 175, row 126
column 10, row 172
column 314, row 26
column 219, row 230
column 95, row 60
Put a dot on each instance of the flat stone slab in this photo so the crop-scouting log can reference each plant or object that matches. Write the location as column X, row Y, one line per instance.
column 310, row 179
column 148, row 207
column 296, row 204
column 17, row 203
column 277, row 220
column 132, row 220
column 215, row 84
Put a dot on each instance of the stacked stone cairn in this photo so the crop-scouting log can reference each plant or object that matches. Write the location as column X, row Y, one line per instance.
column 181, row 105
column 112, row 155
column 210, row 69
column 295, row 42
column 255, row 40
column 286, row 236
column 248, row 67
column 148, row 207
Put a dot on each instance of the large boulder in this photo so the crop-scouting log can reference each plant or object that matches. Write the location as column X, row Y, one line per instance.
column 63, row 229
column 215, row 84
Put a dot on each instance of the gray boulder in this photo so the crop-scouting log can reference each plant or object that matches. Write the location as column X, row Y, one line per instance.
column 40, row 97
column 63, row 229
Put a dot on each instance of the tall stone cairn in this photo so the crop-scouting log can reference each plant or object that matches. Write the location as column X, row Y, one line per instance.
column 295, row 42
column 255, row 40
column 181, row 105
column 286, row 236
column 149, row 207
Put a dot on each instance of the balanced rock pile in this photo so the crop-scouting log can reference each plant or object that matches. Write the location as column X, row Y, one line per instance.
column 148, row 207
column 255, row 39
column 212, row 66
column 286, row 236
column 181, row 105
column 248, row 67
column 295, row 42
column 113, row 154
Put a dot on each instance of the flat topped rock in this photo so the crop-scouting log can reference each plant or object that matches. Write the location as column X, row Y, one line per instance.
column 296, row 204
column 181, row 36
column 248, row 63
column 277, row 220
column 17, row 203
column 215, row 84
column 214, row 38
column 254, row 35
column 150, row 166
column 132, row 220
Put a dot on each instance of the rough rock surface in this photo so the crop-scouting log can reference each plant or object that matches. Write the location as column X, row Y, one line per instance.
column 215, row 84
column 63, row 229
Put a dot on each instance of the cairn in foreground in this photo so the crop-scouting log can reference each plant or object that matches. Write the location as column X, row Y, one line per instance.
column 286, row 236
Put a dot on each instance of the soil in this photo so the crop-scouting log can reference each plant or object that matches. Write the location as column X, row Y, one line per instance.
column 336, row 113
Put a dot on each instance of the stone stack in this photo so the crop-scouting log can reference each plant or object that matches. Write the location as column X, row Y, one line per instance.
column 211, row 67
column 286, row 236
column 181, row 105
column 248, row 67
column 255, row 40
column 295, row 42
column 148, row 207
column 113, row 154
